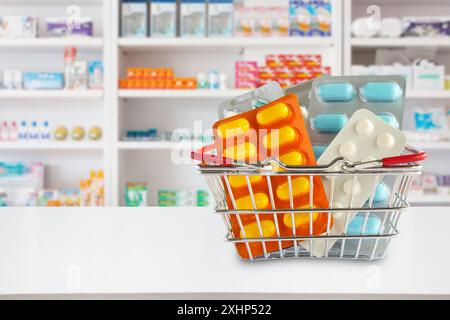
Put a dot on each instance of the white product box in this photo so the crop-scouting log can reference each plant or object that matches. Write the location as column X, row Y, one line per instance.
column 428, row 77
column 18, row 79
column 8, row 79
column 18, row 27
column 358, row 70
column 400, row 70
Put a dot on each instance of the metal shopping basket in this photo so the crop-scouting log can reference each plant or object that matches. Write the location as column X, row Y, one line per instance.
column 398, row 172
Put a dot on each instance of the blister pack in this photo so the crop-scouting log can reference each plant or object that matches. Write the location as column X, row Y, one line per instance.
column 250, row 100
column 365, row 137
column 276, row 130
column 331, row 101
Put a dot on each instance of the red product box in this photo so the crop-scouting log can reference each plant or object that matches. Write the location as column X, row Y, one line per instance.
column 275, row 60
column 246, row 74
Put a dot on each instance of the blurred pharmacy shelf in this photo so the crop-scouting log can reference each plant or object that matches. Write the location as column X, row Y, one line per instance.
column 219, row 45
column 430, row 94
column 51, row 94
column 440, row 145
column 429, row 199
column 376, row 43
column 51, row 43
column 158, row 145
column 40, row 145
column 67, row 161
column 179, row 94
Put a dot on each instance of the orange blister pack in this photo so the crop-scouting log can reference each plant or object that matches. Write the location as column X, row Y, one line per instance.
column 276, row 130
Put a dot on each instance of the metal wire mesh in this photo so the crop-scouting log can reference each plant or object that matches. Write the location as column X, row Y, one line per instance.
column 360, row 246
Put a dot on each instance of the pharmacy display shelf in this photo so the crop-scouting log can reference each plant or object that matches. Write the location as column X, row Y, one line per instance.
column 220, row 45
column 428, row 94
column 158, row 145
column 376, row 43
column 179, row 94
column 182, row 94
column 51, row 43
column 52, row 2
column 429, row 146
column 428, row 199
column 52, row 145
column 51, row 94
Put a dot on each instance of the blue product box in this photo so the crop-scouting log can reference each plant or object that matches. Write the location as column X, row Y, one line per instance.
column 220, row 18
column 193, row 18
column 163, row 20
column 134, row 18
column 43, row 80
column 301, row 16
column 322, row 18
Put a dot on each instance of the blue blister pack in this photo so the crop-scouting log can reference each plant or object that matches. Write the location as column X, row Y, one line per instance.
column 331, row 101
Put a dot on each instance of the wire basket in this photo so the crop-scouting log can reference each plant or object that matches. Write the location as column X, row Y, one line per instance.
column 330, row 243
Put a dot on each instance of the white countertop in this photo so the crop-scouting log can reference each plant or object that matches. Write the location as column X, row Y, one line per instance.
column 176, row 251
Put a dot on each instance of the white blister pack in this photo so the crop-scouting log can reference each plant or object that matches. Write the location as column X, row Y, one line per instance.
column 364, row 138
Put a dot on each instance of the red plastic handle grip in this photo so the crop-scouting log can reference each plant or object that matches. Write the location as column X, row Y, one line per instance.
column 202, row 156
column 409, row 158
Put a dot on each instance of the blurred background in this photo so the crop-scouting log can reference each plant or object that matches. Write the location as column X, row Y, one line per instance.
column 99, row 98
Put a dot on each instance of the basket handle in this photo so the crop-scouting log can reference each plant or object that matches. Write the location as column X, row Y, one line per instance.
column 203, row 156
column 415, row 156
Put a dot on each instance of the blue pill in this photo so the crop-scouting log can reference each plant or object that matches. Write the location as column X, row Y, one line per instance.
column 381, row 91
column 329, row 122
column 319, row 150
column 372, row 226
column 390, row 119
column 336, row 92
column 381, row 192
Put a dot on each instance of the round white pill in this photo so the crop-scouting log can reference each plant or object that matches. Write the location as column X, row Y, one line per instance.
column 385, row 141
column 348, row 149
column 364, row 127
column 350, row 186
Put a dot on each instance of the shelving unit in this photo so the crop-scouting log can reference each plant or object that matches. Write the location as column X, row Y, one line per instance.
column 430, row 199
column 67, row 162
column 51, row 94
column 51, row 43
column 362, row 51
column 161, row 108
column 120, row 110
column 218, row 45
column 51, row 146
column 179, row 94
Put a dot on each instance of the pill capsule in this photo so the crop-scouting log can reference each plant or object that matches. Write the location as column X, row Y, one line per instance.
column 336, row 92
column 233, row 128
column 300, row 219
column 261, row 202
column 252, row 230
column 319, row 150
column 329, row 122
column 372, row 226
column 279, row 139
column 241, row 152
column 273, row 114
column 390, row 119
column 387, row 91
column 382, row 192
column 364, row 127
column 300, row 187
column 348, row 150
column 293, row 158
column 241, row 181
column 385, row 141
